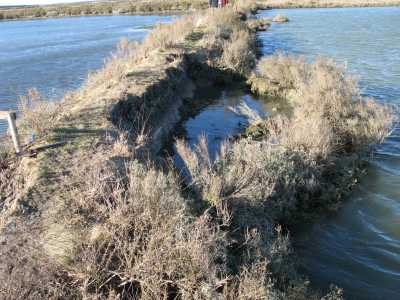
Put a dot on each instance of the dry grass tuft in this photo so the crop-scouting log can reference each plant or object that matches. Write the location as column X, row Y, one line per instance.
column 37, row 114
column 280, row 19
column 11, row 181
column 116, row 67
column 238, row 54
column 143, row 242
column 329, row 114
column 261, row 24
column 231, row 41
column 244, row 7
column 6, row 151
column 277, row 74
column 167, row 36
column 227, row 177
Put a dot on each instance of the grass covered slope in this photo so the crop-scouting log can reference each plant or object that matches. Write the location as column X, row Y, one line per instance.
column 100, row 218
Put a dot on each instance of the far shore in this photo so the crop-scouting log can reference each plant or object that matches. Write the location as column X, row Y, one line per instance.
column 159, row 7
column 163, row 13
column 141, row 7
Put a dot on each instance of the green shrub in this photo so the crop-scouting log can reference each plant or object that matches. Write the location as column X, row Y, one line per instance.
column 38, row 12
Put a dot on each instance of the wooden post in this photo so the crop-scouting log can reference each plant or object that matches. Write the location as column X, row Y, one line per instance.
column 11, row 116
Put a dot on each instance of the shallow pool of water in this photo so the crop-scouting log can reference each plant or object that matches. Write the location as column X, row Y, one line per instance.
column 358, row 248
column 216, row 115
column 55, row 55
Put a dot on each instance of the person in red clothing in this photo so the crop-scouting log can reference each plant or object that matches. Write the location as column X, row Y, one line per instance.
column 217, row 3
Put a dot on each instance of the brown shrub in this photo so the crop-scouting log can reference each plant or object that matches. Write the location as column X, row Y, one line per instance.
column 280, row 19
column 278, row 74
column 245, row 7
column 38, row 114
column 115, row 67
column 238, row 53
column 329, row 114
column 166, row 36
column 143, row 243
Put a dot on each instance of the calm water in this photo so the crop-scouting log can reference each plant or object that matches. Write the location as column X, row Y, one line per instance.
column 218, row 117
column 55, row 55
column 357, row 249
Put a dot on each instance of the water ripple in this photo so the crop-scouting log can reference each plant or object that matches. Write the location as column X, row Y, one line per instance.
column 358, row 248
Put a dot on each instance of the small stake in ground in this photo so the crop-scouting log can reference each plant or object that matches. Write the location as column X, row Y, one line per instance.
column 11, row 117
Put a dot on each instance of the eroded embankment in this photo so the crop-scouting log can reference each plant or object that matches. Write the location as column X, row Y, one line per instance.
column 117, row 119
column 95, row 218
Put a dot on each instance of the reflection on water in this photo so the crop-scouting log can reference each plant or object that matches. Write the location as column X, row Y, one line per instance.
column 55, row 55
column 359, row 247
column 215, row 117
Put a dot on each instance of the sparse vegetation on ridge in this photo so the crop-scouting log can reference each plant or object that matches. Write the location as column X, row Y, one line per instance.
column 98, row 218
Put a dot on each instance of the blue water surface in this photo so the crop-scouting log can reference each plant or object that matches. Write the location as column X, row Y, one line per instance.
column 358, row 248
column 56, row 55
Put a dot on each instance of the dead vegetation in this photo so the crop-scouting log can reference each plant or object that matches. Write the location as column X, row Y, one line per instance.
column 142, row 241
column 330, row 116
column 279, row 18
column 232, row 42
column 299, row 166
column 259, row 24
column 37, row 114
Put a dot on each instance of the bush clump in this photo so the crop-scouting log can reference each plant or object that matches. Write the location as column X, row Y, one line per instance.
column 280, row 19
column 143, row 243
column 329, row 114
column 37, row 114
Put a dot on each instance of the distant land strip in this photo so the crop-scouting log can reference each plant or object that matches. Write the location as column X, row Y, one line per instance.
column 125, row 7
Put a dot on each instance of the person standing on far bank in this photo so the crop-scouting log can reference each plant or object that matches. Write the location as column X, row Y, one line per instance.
column 217, row 3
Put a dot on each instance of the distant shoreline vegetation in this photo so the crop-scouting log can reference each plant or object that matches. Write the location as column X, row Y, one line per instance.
column 102, row 8
column 161, row 6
